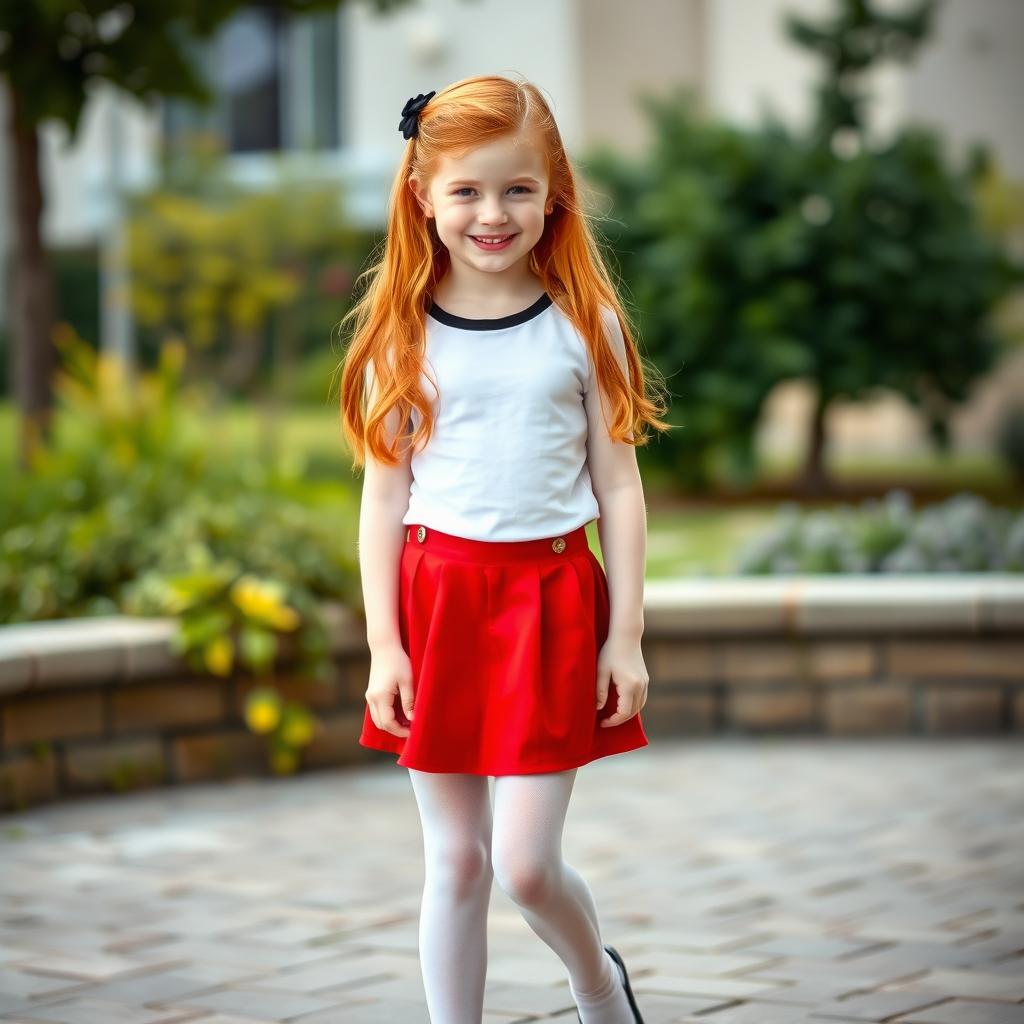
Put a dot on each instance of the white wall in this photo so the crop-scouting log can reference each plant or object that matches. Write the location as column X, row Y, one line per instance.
column 971, row 80
column 435, row 43
column 750, row 65
column 967, row 80
column 116, row 141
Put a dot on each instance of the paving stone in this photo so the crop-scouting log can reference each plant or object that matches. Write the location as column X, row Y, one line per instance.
column 658, row 1009
column 326, row 977
column 874, row 1006
column 15, row 982
column 911, row 957
column 1011, row 965
column 522, row 1000
column 97, row 1011
column 752, row 1012
column 773, row 880
column 510, row 968
column 713, row 964
column 171, row 985
column 265, row 1003
column 75, row 965
column 695, row 985
column 978, row 983
column 811, row 987
column 385, row 987
column 965, row 1011
column 993, row 945
column 375, row 1011
column 688, row 936
column 806, row 946
column 226, row 1018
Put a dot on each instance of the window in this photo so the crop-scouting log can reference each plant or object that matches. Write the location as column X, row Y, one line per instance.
column 276, row 81
column 250, row 58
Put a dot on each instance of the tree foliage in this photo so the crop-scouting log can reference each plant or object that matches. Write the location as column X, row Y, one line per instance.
column 759, row 255
column 52, row 50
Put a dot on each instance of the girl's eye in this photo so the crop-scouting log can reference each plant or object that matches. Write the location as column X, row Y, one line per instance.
column 467, row 188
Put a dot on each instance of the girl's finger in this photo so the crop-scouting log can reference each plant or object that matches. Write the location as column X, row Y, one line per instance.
column 389, row 723
column 408, row 699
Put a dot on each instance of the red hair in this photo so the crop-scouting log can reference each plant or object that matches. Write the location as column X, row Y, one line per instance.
column 390, row 317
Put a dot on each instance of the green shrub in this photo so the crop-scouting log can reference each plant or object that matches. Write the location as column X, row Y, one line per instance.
column 1010, row 439
column 253, row 279
column 962, row 534
column 316, row 379
column 854, row 260
column 135, row 508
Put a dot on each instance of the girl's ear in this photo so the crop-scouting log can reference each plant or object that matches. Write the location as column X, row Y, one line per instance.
column 422, row 199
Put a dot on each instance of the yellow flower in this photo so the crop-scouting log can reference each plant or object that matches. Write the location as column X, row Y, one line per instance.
column 219, row 655
column 263, row 710
column 263, row 601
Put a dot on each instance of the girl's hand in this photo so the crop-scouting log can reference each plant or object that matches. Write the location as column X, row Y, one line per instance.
column 621, row 662
column 390, row 674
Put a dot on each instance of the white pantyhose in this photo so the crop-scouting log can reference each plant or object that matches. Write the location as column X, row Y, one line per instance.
column 466, row 846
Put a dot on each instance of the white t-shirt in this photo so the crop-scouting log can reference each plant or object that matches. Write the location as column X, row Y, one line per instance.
column 507, row 459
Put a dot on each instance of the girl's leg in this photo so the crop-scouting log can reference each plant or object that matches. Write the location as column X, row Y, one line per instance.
column 455, row 812
column 554, row 899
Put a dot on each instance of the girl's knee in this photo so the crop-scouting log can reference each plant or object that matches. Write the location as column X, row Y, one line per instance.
column 526, row 880
column 465, row 866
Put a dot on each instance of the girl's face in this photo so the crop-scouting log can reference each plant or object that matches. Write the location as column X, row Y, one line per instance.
column 499, row 189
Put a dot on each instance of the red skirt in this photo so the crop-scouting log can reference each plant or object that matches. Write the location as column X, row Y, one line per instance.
column 503, row 638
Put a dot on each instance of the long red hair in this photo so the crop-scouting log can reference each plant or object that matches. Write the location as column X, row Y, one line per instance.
column 390, row 315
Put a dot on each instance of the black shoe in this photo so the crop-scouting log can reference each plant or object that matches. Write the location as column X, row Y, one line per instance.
column 614, row 954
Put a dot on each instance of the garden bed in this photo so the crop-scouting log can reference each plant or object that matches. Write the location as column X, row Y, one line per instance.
column 89, row 705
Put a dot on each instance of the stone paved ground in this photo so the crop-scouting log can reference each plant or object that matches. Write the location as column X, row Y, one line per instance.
column 768, row 881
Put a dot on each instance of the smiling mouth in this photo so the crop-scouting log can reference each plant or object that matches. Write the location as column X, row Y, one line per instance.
column 492, row 239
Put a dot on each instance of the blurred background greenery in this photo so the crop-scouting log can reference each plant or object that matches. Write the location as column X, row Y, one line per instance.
column 204, row 476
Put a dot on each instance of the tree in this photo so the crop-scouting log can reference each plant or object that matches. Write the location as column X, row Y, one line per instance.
column 756, row 256
column 51, row 52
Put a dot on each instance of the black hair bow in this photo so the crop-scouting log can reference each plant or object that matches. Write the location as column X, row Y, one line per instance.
column 410, row 125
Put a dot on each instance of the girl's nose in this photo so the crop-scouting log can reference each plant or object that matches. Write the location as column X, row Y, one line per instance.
column 493, row 214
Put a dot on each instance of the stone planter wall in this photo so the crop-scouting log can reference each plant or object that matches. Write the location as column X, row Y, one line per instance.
column 101, row 704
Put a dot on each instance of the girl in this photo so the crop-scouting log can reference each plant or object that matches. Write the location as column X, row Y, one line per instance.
column 498, row 645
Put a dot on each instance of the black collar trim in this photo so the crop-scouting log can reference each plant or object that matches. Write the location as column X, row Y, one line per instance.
column 493, row 324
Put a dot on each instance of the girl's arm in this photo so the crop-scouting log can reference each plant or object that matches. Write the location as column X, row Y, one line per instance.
column 622, row 525
column 622, row 528
column 384, row 501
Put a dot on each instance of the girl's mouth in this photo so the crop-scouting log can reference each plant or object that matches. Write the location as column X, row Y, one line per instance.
column 493, row 246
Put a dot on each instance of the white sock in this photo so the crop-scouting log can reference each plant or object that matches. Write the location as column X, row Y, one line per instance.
column 554, row 899
column 607, row 1004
